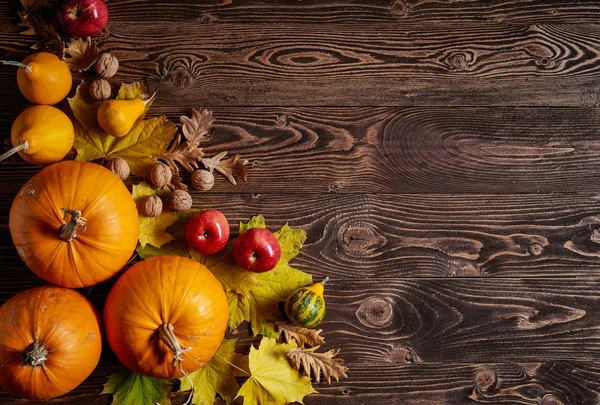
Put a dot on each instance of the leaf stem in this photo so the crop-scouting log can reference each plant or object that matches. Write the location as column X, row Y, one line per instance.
column 233, row 365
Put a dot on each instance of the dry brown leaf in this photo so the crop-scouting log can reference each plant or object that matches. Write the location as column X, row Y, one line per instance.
column 303, row 336
column 231, row 167
column 184, row 154
column 83, row 53
column 36, row 17
column 319, row 363
column 197, row 128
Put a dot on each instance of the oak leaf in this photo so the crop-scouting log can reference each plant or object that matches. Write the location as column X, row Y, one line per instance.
column 302, row 336
column 319, row 363
column 216, row 377
column 129, row 388
column 153, row 230
column 231, row 167
column 147, row 140
column 182, row 153
column 197, row 128
column 83, row 53
column 272, row 378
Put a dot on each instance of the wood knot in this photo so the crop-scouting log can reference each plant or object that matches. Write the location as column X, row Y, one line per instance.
column 595, row 236
column 376, row 312
column 403, row 354
column 551, row 399
column 399, row 8
column 485, row 380
column 335, row 186
column 460, row 60
column 360, row 239
column 283, row 121
column 181, row 78
column 535, row 249
column 207, row 18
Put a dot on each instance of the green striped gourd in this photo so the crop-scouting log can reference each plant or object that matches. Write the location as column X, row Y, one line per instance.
column 306, row 306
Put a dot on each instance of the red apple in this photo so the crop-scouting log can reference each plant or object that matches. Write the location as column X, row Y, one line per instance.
column 82, row 18
column 207, row 232
column 256, row 250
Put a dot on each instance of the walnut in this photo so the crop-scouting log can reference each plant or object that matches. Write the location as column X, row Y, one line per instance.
column 160, row 175
column 107, row 65
column 100, row 90
column 151, row 206
column 203, row 180
column 180, row 201
column 119, row 167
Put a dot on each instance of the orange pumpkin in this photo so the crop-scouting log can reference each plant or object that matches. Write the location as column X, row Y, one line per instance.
column 165, row 315
column 74, row 224
column 50, row 342
column 44, row 79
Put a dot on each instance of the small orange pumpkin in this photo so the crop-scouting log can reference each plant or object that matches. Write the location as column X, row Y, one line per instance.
column 50, row 342
column 165, row 315
column 74, row 224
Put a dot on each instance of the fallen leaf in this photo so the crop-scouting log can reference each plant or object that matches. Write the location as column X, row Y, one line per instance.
column 83, row 54
column 173, row 248
column 231, row 167
column 197, row 128
column 153, row 230
column 259, row 306
column 302, row 336
column 129, row 388
column 319, row 363
column 182, row 153
column 216, row 377
column 37, row 18
column 257, row 221
column 147, row 140
column 273, row 380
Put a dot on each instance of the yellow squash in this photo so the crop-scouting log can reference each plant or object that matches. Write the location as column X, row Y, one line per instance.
column 117, row 117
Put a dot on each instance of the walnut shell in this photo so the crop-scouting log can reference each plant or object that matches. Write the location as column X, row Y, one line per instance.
column 100, row 89
column 119, row 167
column 203, row 180
column 107, row 65
column 160, row 175
column 151, row 206
column 180, row 201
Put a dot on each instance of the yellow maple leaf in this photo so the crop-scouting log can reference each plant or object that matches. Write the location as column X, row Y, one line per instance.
column 145, row 142
column 273, row 380
column 216, row 377
column 153, row 230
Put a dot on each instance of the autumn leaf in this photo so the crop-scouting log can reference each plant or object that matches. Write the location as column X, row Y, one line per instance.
column 231, row 167
column 257, row 221
column 259, row 306
column 83, row 53
column 216, row 377
column 273, row 380
column 37, row 18
column 319, row 363
column 302, row 336
column 153, row 230
column 182, row 153
column 129, row 388
column 197, row 128
column 147, row 140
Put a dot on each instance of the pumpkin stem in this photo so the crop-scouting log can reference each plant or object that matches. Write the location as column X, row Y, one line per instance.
column 22, row 146
column 68, row 231
column 165, row 333
column 35, row 354
column 28, row 68
column 325, row 280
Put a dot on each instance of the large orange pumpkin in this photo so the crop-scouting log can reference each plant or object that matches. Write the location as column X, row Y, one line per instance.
column 164, row 315
column 74, row 224
column 50, row 342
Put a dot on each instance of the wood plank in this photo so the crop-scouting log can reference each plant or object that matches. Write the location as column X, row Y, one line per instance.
column 350, row 11
column 364, row 236
column 355, row 65
column 394, row 150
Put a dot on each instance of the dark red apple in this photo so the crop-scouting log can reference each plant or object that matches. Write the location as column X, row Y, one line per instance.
column 256, row 250
column 82, row 18
column 207, row 232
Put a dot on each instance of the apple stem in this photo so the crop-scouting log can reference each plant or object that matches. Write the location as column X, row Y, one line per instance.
column 22, row 146
column 325, row 280
column 27, row 68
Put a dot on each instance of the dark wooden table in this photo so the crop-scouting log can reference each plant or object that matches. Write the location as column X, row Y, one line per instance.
column 444, row 157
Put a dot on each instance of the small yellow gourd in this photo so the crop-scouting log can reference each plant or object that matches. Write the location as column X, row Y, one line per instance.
column 42, row 135
column 43, row 78
column 117, row 117
column 306, row 306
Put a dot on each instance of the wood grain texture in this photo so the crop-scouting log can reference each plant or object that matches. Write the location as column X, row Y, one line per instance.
column 355, row 65
column 395, row 150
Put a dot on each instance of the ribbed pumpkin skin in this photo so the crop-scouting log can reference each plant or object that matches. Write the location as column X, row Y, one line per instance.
column 96, row 254
column 305, row 307
column 68, row 325
column 159, row 290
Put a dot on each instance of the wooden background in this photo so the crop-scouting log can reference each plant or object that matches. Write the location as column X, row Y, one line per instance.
column 443, row 155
